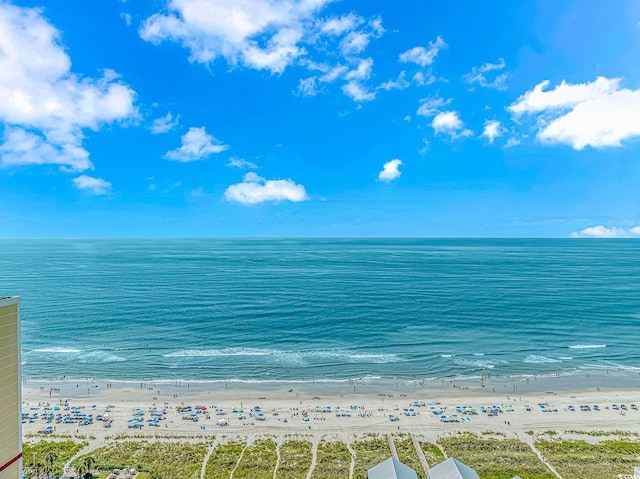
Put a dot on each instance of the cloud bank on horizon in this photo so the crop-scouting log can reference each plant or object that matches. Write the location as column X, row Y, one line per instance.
column 324, row 92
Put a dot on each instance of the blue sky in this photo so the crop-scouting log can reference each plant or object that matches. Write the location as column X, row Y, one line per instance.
column 319, row 118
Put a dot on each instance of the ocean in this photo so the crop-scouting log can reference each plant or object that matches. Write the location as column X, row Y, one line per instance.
column 269, row 310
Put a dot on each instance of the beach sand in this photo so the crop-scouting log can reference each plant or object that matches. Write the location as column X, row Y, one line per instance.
column 369, row 406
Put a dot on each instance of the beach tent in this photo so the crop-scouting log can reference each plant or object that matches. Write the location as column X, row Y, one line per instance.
column 452, row 469
column 391, row 469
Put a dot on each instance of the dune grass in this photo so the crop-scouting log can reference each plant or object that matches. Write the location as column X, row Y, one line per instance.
column 162, row 460
column 432, row 453
column 295, row 460
column 223, row 460
column 333, row 461
column 495, row 458
column 258, row 461
column 407, row 453
column 49, row 454
column 369, row 452
column 577, row 459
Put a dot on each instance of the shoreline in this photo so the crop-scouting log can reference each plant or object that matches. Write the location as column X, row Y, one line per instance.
column 489, row 384
column 352, row 413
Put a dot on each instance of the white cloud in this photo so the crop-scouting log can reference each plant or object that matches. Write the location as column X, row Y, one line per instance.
column 492, row 130
column 354, row 43
column 255, row 189
column 358, row 92
column 241, row 163
column 92, row 186
column 399, row 84
column 307, row 87
column 449, row 123
column 421, row 80
column 164, row 124
column 421, row 55
column 425, row 147
column 271, row 35
column 196, row 145
column 261, row 34
column 390, row 170
column 512, row 142
column 340, row 25
column 596, row 114
column 127, row 18
column 45, row 108
column 362, row 72
column 480, row 75
column 604, row 232
column 429, row 106
column 333, row 73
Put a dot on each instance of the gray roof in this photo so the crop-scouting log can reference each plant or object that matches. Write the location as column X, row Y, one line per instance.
column 391, row 469
column 452, row 469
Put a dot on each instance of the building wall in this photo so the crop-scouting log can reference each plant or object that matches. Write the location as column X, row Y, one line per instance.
column 10, row 423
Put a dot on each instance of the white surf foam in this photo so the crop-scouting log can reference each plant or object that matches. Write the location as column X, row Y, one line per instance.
column 289, row 357
column 534, row 358
column 587, row 346
column 58, row 350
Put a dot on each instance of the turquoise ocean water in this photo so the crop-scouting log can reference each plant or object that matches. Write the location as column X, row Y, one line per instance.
column 273, row 310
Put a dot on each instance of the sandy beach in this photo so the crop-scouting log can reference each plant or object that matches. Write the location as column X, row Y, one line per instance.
column 321, row 411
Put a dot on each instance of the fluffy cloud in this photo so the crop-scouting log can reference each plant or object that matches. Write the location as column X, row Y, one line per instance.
column 421, row 55
column 399, row 84
column 197, row 144
column 511, row 142
column 421, row 79
column 164, row 124
column 429, row 106
column 604, row 232
column 486, row 75
column 92, row 186
column 362, row 72
column 272, row 35
column 354, row 43
column 255, row 189
column 357, row 92
column 597, row 114
column 45, row 108
column 307, row 87
column 241, row 164
column 261, row 34
column 492, row 130
column 390, row 170
column 449, row 123
column 340, row 25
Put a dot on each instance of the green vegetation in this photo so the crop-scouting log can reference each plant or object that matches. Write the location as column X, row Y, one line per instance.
column 496, row 458
column 407, row 453
column 162, row 460
column 604, row 433
column 432, row 453
column 223, row 459
column 50, row 456
column 258, row 461
column 579, row 459
column 295, row 460
column 369, row 452
column 333, row 460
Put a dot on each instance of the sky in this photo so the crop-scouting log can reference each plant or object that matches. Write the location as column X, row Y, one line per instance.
column 319, row 118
